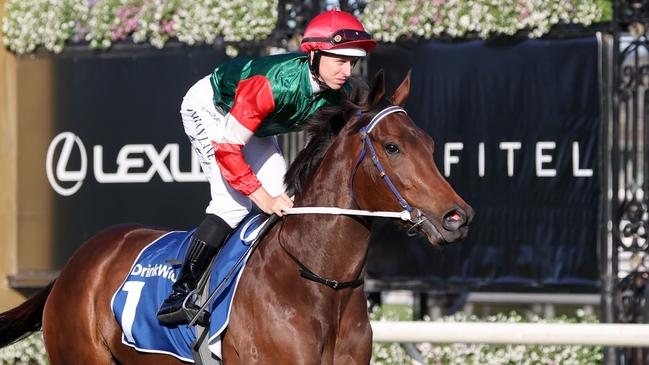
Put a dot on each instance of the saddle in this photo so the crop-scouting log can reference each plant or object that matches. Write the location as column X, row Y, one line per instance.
column 148, row 282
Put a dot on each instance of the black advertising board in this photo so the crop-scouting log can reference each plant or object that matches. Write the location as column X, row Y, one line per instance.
column 516, row 126
column 118, row 152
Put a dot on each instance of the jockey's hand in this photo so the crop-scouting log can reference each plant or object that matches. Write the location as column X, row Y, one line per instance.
column 271, row 204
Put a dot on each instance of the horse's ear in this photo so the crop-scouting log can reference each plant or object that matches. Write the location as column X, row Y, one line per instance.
column 378, row 88
column 401, row 94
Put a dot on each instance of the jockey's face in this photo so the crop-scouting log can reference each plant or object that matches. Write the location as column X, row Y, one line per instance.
column 335, row 69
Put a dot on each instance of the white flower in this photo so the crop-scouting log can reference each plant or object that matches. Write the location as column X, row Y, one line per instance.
column 465, row 21
column 482, row 17
column 51, row 23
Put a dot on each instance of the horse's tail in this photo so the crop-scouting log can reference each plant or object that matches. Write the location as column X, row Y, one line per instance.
column 20, row 322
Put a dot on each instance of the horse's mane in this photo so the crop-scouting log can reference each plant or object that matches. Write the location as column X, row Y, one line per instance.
column 320, row 131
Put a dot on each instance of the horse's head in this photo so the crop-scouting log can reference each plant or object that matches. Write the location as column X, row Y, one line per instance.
column 396, row 169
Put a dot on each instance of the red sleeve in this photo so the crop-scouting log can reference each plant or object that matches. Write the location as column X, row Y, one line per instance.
column 253, row 101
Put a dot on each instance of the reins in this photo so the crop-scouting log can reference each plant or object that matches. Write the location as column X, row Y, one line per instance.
column 403, row 215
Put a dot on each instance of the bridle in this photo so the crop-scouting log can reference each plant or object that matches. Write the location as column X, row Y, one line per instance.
column 415, row 216
column 410, row 213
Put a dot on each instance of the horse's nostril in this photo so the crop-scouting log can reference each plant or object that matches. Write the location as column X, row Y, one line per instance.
column 454, row 216
column 454, row 219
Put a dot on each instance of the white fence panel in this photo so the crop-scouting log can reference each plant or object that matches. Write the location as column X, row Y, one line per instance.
column 603, row 334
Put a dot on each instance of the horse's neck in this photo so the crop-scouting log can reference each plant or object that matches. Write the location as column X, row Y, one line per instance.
column 332, row 246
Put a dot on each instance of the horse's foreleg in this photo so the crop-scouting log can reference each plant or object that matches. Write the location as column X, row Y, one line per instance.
column 354, row 339
column 229, row 352
column 255, row 335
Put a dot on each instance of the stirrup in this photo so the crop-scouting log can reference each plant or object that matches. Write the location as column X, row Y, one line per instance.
column 191, row 310
column 185, row 313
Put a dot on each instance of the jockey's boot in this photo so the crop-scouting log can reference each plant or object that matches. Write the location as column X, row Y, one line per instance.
column 206, row 243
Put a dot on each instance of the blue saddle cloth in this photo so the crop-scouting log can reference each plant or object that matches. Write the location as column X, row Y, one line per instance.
column 149, row 282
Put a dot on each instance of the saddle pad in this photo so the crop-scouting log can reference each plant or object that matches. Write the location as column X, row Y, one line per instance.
column 149, row 282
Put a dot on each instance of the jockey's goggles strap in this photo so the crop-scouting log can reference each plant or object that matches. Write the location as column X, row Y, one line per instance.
column 341, row 36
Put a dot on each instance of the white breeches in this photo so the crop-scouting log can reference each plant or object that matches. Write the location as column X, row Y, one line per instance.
column 203, row 123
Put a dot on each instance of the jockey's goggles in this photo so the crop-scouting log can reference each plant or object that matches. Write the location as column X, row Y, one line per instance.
column 342, row 36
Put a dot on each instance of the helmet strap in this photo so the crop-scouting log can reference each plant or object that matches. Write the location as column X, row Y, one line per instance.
column 314, row 66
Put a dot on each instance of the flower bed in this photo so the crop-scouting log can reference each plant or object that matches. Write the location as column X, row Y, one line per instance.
column 29, row 351
column 51, row 24
column 29, row 24
column 388, row 20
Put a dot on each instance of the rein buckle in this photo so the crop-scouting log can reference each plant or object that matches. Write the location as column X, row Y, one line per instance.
column 419, row 219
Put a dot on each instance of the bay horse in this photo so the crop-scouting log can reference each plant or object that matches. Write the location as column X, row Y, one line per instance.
column 278, row 317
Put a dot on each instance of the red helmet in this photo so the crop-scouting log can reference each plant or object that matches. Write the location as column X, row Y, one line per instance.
column 338, row 32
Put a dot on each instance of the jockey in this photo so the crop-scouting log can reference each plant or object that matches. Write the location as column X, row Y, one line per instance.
column 231, row 118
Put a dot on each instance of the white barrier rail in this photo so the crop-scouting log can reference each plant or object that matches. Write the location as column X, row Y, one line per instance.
column 602, row 334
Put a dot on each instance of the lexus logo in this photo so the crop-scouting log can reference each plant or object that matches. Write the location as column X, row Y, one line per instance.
column 61, row 173
column 136, row 163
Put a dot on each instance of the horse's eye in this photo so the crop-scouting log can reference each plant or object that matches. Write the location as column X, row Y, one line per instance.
column 391, row 148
